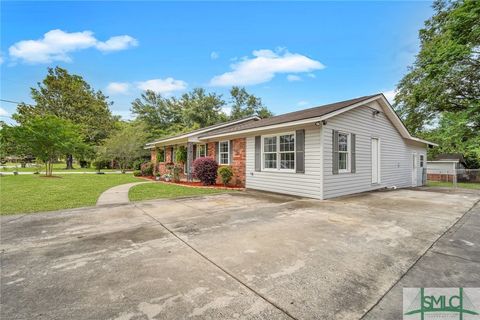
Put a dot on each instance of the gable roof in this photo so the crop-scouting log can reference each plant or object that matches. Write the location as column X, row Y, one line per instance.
column 316, row 114
column 291, row 116
column 232, row 123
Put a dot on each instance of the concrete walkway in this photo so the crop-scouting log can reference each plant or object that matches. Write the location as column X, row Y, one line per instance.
column 117, row 194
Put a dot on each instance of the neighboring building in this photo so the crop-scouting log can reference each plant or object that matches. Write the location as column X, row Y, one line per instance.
column 445, row 166
column 328, row 151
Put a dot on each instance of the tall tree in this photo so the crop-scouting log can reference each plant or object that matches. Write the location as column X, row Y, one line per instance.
column 126, row 144
column 158, row 113
column 445, row 77
column 201, row 109
column 47, row 138
column 245, row 104
column 70, row 97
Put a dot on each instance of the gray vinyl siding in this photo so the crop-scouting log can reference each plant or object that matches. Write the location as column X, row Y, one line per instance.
column 395, row 153
column 306, row 184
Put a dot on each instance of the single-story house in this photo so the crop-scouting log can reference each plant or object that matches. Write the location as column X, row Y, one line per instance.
column 332, row 150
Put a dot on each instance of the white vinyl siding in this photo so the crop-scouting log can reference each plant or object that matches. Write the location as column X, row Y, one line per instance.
column 395, row 153
column 306, row 184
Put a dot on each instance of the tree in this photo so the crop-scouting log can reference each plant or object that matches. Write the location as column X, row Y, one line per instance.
column 156, row 112
column 126, row 145
column 245, row 104
column 47, row 138
column 200, row 109
column 70, row 97
column 442, row 88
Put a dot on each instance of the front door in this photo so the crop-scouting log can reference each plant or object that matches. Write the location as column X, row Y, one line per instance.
column 375, row 161
column 414, row 170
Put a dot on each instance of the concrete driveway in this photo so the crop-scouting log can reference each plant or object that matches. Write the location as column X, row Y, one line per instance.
column 242, row 255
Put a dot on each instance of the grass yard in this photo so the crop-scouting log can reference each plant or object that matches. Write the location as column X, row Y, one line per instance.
column 164, row 190
column 464, row 185
column 57, row 168
column 34, row 193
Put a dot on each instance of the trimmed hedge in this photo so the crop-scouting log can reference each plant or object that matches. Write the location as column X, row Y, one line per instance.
column 147, row 169
column 226, row 174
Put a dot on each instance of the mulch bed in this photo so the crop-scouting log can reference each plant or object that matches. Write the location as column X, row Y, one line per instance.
column 195, row 184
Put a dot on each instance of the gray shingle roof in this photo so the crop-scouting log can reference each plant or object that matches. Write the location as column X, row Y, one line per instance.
column 291, row 116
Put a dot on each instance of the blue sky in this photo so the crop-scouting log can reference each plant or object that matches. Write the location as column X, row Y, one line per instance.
column 293, row 55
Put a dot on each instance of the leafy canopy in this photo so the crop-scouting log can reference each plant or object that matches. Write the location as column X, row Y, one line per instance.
column 47, row 138
column 439, row 98
column 70, row 97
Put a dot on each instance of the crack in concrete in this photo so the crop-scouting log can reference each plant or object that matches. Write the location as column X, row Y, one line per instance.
column 454, row 256
column 231, row 275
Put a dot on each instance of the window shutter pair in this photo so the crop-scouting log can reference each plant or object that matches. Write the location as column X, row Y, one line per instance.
column 299, row 152
column 353, row 161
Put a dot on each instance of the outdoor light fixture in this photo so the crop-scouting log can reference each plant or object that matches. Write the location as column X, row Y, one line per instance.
column 317, row 123
column 375, row 112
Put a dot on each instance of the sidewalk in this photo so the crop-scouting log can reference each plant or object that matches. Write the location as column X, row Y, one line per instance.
column 453, row 261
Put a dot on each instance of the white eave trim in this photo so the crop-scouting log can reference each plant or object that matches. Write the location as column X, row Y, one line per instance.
column 392, row 115
column 186, row 135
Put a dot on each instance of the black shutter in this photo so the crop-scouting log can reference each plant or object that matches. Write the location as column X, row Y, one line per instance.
column 230, row 150
column 217, row 149
column 334, row 151
column 194, row 151
column 164, row 154
column 353, row 165
column 300, row 151
column 258, row 153
column 206, row 149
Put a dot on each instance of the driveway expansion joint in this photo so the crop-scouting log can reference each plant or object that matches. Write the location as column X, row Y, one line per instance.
column 228, row 273
column 457, row 223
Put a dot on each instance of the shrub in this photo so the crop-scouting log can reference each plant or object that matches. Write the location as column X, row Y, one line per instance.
column 137, row 173
column 137, row 164
column 226, row 174
column 205, row 170
column 176, row 173
column 147, row 169
column 100, row 164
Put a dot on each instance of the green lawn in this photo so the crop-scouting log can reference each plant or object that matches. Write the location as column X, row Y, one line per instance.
column 164, row 190
column 57, row 167
column 464, row 185
column 34, row 193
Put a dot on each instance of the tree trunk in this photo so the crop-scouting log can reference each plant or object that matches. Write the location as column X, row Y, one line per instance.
column 69, row 162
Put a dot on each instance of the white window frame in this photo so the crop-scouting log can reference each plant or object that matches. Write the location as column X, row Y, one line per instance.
column 348, row 152
column 220, row 153
column 278, row 152
column 198, row 151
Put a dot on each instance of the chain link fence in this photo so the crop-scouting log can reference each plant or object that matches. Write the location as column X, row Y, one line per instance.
column 454, row 178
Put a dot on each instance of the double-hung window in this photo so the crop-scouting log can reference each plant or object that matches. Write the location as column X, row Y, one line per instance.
column 343, row 152
column 201, row 150
column 279, row 152
column 224, row 152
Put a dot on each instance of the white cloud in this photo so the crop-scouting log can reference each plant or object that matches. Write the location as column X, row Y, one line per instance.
column 293, row 77
column 390, row 95
column 214, row 55
column 303, row 103
column 56, row 45
column 117, row 43
column 263, row 66
column 118, row 88
column 3, row 112
column 163, row 86
column 227, row 110
column 311, row 75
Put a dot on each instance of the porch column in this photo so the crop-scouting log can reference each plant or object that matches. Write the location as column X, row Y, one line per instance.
column 189, row 161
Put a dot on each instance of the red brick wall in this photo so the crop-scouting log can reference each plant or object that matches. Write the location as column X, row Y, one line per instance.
column 238, row 163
